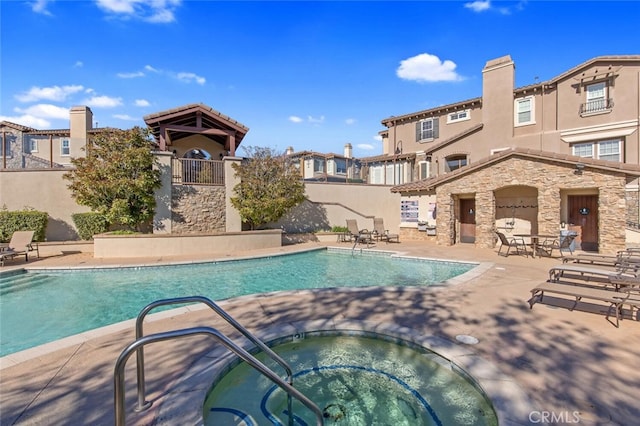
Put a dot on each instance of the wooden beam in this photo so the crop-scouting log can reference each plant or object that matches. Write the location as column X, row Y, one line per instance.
column 201, row 130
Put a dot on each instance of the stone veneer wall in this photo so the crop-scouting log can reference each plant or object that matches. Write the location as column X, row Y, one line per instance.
column 549, row 179
column 198, row 209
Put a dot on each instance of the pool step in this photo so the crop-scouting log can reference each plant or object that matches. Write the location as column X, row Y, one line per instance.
column 17, row 282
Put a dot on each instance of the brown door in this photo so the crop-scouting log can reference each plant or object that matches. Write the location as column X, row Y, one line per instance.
column 583, row 214
column 468, row 221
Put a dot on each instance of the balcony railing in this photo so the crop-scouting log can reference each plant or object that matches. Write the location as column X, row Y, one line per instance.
column 596, row 106
column 189, row 171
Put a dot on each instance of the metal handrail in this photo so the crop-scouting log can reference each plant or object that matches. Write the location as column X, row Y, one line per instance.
column 142, row 404
column 118, row 375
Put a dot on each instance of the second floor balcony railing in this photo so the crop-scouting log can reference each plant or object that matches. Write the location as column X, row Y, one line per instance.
column 190, row 171
column 596, row 106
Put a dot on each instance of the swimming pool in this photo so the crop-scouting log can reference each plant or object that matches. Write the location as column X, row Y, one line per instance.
column 41, row 306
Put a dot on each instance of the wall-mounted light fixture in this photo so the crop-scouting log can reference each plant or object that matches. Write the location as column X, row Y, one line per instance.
column 579, row 168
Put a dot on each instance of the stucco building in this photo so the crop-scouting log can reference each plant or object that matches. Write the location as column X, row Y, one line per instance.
column 559, row 154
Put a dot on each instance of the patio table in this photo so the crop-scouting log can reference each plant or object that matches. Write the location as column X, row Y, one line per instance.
column 535, row 240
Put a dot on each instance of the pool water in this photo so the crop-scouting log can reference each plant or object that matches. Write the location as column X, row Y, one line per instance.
column 354, row 380
column 41, row 306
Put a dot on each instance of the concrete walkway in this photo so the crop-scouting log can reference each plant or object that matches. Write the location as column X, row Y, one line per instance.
column 575, row 366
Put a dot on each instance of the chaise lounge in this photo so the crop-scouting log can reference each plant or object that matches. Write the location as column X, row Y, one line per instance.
column 21, row 243
column 382, row 234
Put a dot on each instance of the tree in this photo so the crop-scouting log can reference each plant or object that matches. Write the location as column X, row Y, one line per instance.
column 269, row 187
column 117, row 177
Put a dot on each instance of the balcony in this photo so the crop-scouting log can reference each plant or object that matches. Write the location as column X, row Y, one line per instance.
column 598, row 106
column 191, row 171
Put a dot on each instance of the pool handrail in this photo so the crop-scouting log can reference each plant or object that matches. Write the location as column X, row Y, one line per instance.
column 142, row 403
column 118, row 375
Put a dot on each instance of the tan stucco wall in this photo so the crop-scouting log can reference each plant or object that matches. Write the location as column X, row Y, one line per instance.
column 550, row 180
column 331, row 204
column 42, row 190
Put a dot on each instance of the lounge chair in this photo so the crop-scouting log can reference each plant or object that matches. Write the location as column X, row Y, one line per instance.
column 21, row 243
column 620, row 276
column 381, row 234
column 628, row 256
column 616, row 299
column 357, row 235
column 564, row 243
column 513, row 242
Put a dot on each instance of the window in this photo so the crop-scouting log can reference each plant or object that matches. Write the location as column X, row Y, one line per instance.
column 424, row 169
column 7, row 148
column 33, row 145
column 341, row 166
column 459, row 116
column 524, row 111
column 609, row 150
column 427, row 130
column 455, row 162
column 375, row 175
column 65, row 147
column 596, row 97
column 318, row 165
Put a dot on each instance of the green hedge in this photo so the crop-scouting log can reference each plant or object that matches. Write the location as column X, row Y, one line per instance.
column 23, row 220
column 90, row 224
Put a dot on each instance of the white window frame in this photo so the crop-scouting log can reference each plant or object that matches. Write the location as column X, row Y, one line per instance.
column 424, row 169
column 376, row 174
column 611, row 142
column 430, row 134
column 589, row 93
column 532, row 111
column 63, row 142
column 582, row 145
column 33, row 145
column 597, row 149
column 458, row 157
column 456, row 116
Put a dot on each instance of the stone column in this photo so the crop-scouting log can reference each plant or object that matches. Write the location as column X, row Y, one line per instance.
column 233, row 220
column 162, row 215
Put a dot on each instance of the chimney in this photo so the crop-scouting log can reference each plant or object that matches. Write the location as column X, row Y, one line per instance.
column 289, row 151
column 348, row 150
column 498, row 79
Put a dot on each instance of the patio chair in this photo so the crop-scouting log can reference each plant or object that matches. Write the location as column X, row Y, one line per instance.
column 357, row 235
column 509, row 243
column 21, row 243
column 548, row 246
column 382, row 234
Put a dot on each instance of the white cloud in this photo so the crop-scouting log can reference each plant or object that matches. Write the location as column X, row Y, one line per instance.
column 40, row 6
column 427, row 68
column 134, row 74
column 350, row 121
column 54, row 93
column 46, row 111
column 189, row 77
column 78, row 64
column 154, row 11
column 366, row 146
column 125, row 117
column 316, row 120
column 103, row 102
column 27, row 120
column 479, row 5
column 295, row 119
column 378, row 138
column 142, row 103
column 150, row 68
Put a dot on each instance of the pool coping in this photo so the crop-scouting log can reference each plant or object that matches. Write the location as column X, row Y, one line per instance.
column 16, row 358
column 186, row 399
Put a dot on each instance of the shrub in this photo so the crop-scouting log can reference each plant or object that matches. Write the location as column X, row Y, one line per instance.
column 89, row 224
column 23, row 220
column 337, row 228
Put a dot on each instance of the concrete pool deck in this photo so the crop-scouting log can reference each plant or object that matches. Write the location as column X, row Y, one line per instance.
column 574, row 366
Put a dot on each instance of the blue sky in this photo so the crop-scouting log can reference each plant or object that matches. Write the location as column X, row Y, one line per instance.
column 311, row 75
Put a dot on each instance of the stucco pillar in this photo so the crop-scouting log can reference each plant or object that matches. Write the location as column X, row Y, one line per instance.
column 233, row 220
column 162, row 215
